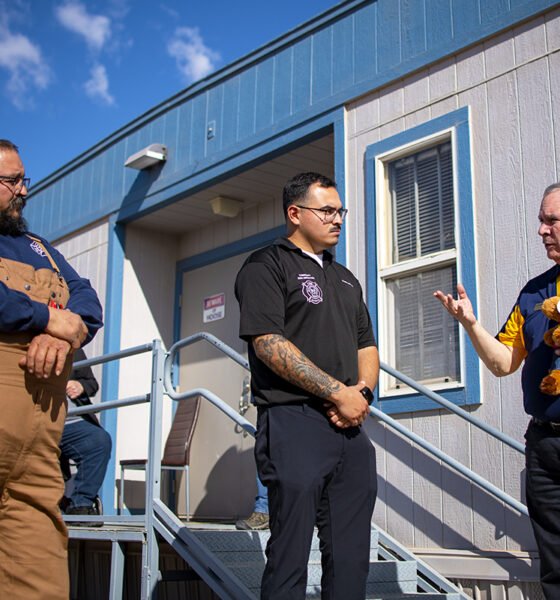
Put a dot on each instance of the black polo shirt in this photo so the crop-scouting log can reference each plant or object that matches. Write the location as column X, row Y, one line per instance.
column 283, row 291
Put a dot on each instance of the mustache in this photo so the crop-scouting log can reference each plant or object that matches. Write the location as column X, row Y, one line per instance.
column 17, row 203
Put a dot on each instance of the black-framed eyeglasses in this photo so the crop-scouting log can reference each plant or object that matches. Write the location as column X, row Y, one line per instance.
column 15, row 183
column 329, row 213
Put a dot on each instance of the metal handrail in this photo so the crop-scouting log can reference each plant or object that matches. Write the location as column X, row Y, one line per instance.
column 150, row 548
column 456, row 465
column 500, row 435
column 188, row 341
column 104, row 358
column 161, row 383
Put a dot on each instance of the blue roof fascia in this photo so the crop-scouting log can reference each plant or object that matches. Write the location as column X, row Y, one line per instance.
column 513, row 17
column 203, row 85
column 210, row 172
column 271, row 138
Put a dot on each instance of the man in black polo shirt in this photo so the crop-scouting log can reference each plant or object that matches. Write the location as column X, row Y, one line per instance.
column 314, row 364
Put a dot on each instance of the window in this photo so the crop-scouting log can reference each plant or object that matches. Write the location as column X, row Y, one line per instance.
column 422, row 236
column 423, row 340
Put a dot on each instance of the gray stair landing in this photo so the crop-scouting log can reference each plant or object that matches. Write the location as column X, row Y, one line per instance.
column 243, row 553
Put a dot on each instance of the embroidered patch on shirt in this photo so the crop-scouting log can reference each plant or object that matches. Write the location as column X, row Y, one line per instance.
column 305, row 276
column 312, row 292
column 36, row 247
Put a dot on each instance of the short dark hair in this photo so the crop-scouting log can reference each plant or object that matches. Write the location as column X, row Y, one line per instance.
column 7, row 145
column 296, row 189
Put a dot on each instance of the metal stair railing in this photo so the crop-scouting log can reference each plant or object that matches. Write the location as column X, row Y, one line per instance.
column 147, row 535
column 158, row 518
column 454, row 464
column 500, row 435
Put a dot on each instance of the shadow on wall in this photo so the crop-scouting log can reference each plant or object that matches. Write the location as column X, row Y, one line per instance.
column 459, row 500
column 227, row 495
column 139, row 189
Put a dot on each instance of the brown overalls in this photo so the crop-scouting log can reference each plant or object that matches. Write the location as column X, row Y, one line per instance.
column 33, row 537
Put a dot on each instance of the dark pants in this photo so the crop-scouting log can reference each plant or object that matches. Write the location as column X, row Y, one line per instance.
column 89, row 446
column 542, row 456
column 316, row 474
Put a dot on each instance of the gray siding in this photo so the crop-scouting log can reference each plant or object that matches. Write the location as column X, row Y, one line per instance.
column 508, row 84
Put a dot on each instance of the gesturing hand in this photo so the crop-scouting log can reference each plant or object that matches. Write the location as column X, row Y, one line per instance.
column 459, row 308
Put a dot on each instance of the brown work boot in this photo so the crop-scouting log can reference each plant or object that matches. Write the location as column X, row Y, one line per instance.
column 256, row 521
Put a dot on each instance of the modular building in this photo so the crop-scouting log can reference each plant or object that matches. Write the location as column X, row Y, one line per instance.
column 440, row 121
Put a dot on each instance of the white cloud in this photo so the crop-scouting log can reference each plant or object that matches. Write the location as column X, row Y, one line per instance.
column 194, row 59
column 25, row 63
column 95, row 29
column 97, row 86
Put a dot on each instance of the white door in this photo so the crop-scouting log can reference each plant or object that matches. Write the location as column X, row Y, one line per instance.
column 222, row 471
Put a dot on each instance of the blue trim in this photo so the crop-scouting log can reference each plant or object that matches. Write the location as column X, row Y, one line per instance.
column 468, row 31
column 233, row 249
column 459, row 121
column 340, row 178
column 211, row 171
column 367, row 45
column 112, row 343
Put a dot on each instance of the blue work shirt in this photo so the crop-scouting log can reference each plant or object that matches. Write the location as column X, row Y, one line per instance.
column 525, row 329
column 19, row 313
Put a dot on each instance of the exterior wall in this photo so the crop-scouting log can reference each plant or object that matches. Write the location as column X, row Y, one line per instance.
column 258, row 103
column 86, row 251
column 226, row 231
column 508, row 82
column 147, row 301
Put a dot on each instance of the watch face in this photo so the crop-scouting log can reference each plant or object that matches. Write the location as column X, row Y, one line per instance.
column 367, row 394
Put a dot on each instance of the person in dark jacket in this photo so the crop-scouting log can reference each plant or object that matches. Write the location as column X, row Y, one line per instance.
column 85, row 443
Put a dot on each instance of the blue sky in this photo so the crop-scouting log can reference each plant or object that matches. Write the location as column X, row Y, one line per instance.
column 72, row 72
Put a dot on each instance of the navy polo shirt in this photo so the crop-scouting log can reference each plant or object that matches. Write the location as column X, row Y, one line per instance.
column 525, row 329
column 321, row 310
column 19, row 313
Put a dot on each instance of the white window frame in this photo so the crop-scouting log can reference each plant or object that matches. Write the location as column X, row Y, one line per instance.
column 388, row 269
column 453, row 127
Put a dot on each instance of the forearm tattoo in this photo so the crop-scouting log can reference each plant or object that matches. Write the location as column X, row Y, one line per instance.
column 287, row 361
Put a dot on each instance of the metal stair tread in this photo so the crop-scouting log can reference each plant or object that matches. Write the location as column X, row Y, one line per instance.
column 239, row 540
column 383, row 576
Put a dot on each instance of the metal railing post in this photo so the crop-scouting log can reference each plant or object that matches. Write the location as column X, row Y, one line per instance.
column 150, row 566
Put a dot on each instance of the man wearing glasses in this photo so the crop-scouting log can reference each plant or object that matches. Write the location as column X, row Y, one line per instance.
column 46, row 311
column 314, row 365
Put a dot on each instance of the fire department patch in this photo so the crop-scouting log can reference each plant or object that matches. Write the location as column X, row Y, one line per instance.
column 312, row 292
column 36, row 247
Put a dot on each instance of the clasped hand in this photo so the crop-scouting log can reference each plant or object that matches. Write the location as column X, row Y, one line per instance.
column 351, row 408
column 44, row 354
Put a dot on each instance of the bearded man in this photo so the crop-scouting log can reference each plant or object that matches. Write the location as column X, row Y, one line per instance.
column 46, row 312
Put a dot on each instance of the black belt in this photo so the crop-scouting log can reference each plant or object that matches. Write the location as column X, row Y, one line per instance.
column 554, row 425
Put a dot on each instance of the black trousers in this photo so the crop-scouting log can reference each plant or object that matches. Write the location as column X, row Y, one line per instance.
column 542, row 458
column 316, row 474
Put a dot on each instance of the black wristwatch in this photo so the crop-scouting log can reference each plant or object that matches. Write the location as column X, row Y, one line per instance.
column 367, row 394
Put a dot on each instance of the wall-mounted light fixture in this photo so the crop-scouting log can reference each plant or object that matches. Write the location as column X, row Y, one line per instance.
column 149, row 156
column 226, row 207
